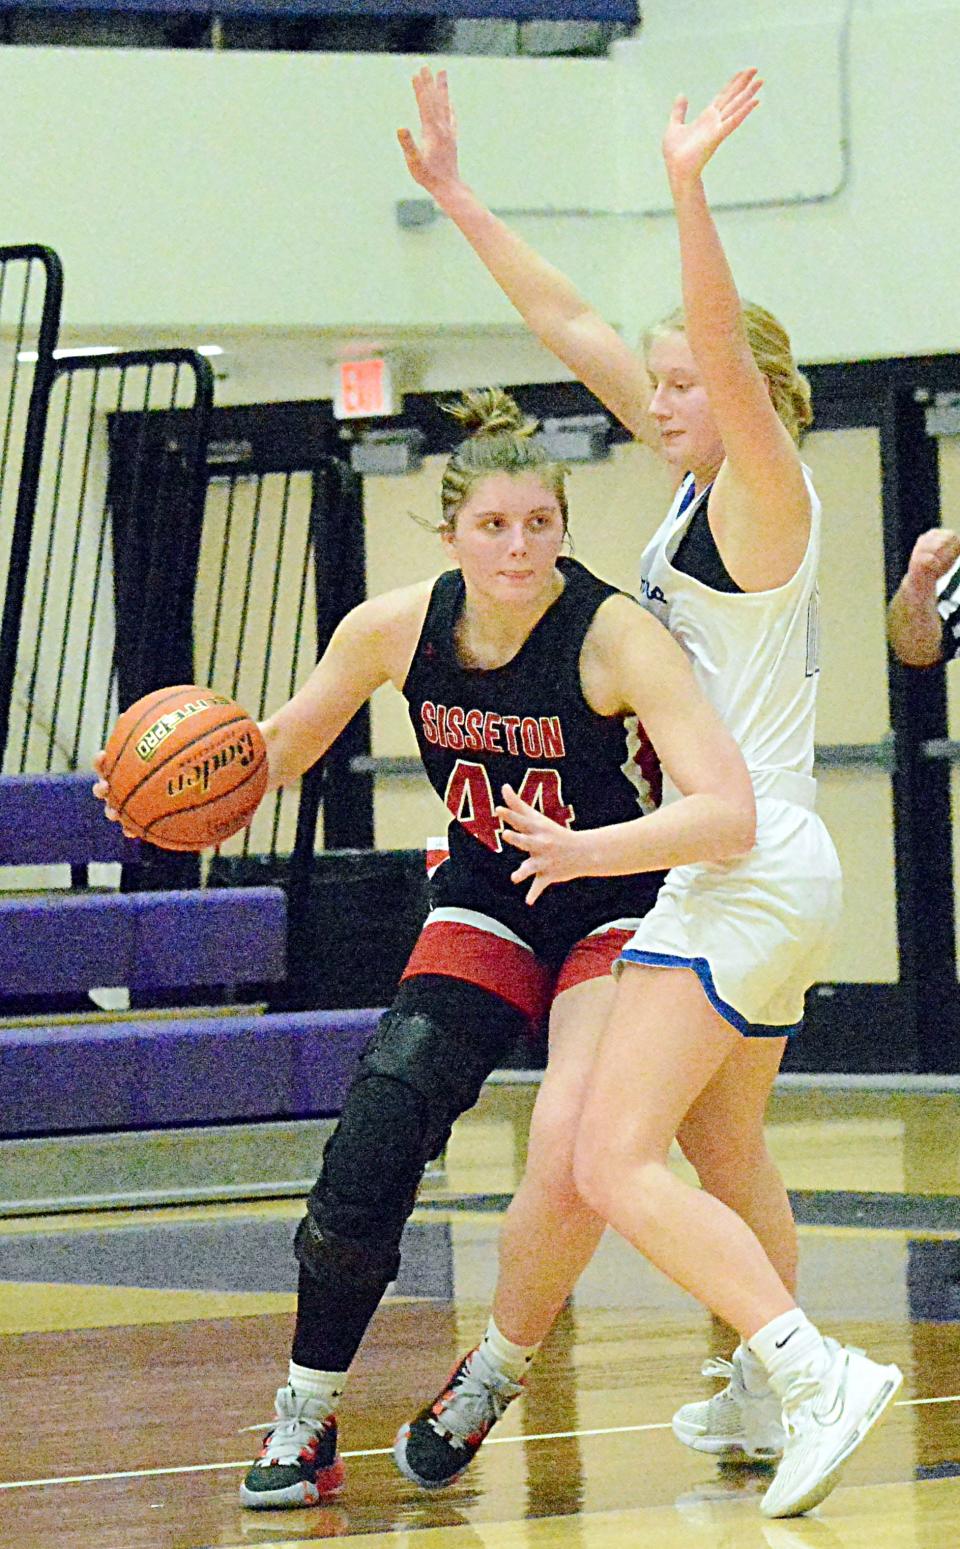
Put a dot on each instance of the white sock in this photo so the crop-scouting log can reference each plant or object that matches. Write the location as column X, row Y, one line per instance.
column 510, row 1359
column 324, row 1386
column 788, row 1345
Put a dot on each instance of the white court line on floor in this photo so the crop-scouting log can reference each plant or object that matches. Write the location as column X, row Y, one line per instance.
column 383, row 1452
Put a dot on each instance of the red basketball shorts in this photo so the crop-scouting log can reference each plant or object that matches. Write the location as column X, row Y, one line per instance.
column 466, row 944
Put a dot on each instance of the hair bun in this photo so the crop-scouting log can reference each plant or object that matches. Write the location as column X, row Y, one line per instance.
column 489, row 411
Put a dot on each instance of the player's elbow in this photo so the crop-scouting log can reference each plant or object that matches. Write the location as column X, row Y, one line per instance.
column 272, row 739
column 739, row 827
column 733, row 789
column 914, row 629
column 919, row 660
column 744, row 835
column 913, row 652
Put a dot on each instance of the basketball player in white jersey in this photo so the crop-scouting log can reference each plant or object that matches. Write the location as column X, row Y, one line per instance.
column 923, row 620
column 713, row 983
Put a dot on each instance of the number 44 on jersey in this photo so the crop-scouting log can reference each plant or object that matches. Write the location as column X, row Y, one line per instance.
column 469, row 796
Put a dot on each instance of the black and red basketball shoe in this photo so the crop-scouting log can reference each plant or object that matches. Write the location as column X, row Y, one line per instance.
column 436, row 1447
column 298, row 1464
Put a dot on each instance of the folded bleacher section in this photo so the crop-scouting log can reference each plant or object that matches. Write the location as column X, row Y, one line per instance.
column 103, row 483
column 101, row 1073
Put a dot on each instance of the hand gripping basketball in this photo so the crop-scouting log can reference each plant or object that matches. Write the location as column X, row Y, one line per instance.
column 185, row 768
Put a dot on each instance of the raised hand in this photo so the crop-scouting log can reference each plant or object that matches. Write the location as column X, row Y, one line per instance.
column 432, row 163
column 688, row 147
column 933, row 554
column 554, row 853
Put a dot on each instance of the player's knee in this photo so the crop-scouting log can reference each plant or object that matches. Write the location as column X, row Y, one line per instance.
column 549, row 1173
column 374, row 1160
column 360, row 1263
column 649, row 1181
column 359, row 1205
column 604, row 1169
column 594, row 1168
column 605, row 1155
column 424, row 1066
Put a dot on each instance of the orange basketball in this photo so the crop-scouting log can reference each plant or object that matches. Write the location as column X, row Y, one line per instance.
column 186, row 767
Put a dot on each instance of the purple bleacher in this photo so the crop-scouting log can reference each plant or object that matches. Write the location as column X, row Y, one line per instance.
column 83, row 941
column 152, row 1072
column 47, row 819
column 213, row 935
column 158, row 1073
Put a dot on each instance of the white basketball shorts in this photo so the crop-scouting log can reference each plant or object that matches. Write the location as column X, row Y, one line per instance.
column 755, row 930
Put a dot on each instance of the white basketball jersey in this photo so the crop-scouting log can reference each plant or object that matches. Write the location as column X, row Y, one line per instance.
column 755, row 654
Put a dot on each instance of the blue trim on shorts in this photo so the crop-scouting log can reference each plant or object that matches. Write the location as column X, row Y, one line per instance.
column 704, row 973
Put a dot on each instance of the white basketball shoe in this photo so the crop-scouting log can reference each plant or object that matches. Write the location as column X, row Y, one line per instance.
column 827, row 1413
column 734, row 1424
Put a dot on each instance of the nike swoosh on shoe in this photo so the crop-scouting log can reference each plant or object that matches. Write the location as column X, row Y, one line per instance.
column 833, row 1414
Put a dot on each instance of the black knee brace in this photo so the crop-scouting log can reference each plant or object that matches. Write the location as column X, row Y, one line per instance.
column 357, row 1261
column 424, row 1066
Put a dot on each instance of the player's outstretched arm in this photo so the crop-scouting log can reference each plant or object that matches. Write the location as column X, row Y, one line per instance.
column 362, row 654
column 635, row 665
column 762, row 472
column 545, row 299
column 372, row 645
column 914, row 625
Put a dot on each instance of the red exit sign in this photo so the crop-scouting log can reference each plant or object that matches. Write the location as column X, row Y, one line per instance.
column 364, row 389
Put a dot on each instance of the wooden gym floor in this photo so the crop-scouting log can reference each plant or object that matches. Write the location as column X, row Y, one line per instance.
column 135, row 1346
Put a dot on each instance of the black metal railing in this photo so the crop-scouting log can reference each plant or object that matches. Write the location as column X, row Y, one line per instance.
column 101, row 586
column 31, row 297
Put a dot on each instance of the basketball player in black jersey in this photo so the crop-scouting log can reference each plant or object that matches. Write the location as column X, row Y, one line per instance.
column 525, row 677
column 527, row 726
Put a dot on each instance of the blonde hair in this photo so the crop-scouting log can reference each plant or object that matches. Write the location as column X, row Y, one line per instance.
column 770, row 347
column 500, row 439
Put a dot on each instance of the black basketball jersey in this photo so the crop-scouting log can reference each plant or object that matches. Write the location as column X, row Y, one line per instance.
column 527, row 724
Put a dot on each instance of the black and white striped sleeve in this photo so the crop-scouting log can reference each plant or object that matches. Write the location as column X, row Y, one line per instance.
column 948, row 606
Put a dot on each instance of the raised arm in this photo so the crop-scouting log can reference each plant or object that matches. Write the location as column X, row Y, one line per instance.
column 760, row 492
column 545, row 299
column 630, row 662
column 914, row 625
